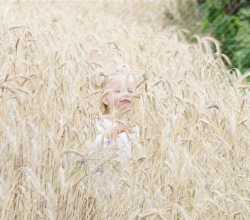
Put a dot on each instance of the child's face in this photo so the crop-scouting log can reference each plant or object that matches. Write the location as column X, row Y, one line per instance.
column 122, row 100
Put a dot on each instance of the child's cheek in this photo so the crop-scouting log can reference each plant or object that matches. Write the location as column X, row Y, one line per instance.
column 116, row 101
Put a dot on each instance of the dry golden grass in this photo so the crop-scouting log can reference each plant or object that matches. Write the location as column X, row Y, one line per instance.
column 192, row 161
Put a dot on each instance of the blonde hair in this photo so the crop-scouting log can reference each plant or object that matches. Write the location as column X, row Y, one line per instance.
column 100, row 80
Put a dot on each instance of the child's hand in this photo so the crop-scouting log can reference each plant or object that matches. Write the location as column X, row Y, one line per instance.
column 124, row 128
column 118, row 129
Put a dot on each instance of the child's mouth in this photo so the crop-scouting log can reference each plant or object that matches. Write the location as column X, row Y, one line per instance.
column 125, row 101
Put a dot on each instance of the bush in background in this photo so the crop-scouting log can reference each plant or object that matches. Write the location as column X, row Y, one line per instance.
column 228, row 22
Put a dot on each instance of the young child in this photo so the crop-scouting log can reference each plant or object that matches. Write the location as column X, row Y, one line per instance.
column 115, row 130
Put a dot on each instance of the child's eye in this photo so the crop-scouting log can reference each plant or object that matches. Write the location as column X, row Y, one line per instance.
column 131, row 91
column 118, row 91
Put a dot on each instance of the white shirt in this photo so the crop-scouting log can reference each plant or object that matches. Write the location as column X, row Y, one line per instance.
column 121, row 147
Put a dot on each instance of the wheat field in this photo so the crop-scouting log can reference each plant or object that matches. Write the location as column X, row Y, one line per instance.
column 193, row 114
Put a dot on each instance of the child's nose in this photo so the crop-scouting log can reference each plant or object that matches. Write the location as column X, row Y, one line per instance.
column 126, row 93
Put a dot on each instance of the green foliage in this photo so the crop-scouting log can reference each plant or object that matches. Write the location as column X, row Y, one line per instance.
column 169, row 15
column 231, row 30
